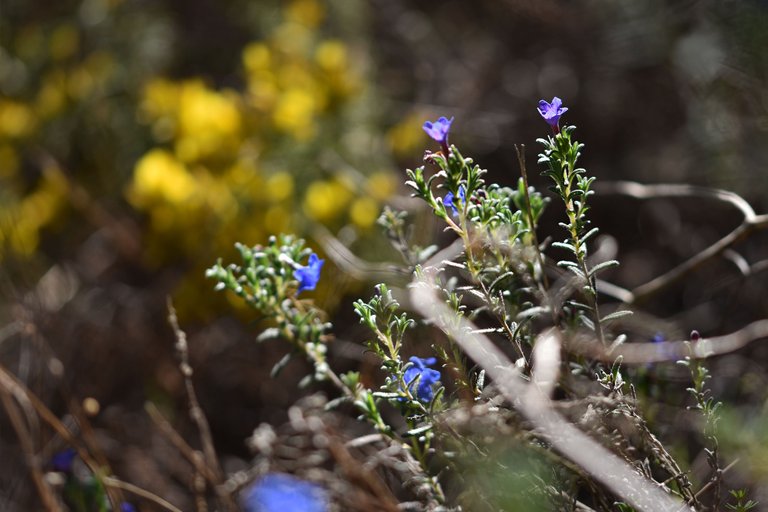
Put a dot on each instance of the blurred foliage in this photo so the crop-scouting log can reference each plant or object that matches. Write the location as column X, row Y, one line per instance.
column 90, row 115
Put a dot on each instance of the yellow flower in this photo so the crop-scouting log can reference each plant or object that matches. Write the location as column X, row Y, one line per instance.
column 209, row 122
column 364, row 212
column 257, row 58
column 16, row 119
column 204, row 110
column 294, row 113
column 325, row 200
column 381, row 185
column 160, row 178
column 279, row 186
column 331, row 56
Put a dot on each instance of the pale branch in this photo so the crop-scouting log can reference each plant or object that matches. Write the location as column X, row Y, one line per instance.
column 750, row 223
column 639, row 352
column 616, row 474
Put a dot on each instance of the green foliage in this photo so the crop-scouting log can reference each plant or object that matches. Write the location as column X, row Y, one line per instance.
column 265, row 281
column 743, row 503
column 498, row 279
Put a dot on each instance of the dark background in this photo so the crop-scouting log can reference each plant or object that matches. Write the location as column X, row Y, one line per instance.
column 661, row 92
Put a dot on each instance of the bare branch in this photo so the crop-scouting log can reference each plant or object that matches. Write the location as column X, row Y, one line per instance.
column 113, row 482
column 603, row 465
column 750, row 224
column 644, row 352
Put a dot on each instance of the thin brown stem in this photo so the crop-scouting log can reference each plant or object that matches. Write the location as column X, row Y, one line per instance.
column 49, row 500
column 181, row 445
column 196, row 412
column 113, row 482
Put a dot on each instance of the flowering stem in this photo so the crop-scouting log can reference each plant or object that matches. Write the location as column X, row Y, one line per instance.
column 580, row 251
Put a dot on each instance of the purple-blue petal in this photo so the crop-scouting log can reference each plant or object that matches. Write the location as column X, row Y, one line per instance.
column 427, row 377
column 551, row 112
column 278, row 492
column 449, row 203
column 63, row 460
column 309, row 275
column 439, row 129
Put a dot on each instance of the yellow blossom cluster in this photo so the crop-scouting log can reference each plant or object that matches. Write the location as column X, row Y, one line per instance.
column 245, row 163
column 68, row 77
column 287, row 143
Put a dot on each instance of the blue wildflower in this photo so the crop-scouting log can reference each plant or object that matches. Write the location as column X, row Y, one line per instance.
column 63, row 460
column 309, row 276
column 427, row 377
column 439, row 129
column 448, row 200
column 551, row 112
column 278, row 492
column 127, row 507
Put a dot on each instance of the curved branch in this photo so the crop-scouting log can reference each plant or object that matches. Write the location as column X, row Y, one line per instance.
column 644, row 352
column 751, row 223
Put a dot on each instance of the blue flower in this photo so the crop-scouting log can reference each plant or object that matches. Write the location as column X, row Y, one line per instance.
column 427, row 377
column 309, row 276
column 127, row 507
column 278, row 492
column 551, row 112
column 448, row 200
column 63, row 460
column 439, row 130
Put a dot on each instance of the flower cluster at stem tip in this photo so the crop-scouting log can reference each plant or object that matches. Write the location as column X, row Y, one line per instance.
column 427, row 377
column 309, row 275
column 551, row 112
column 278, row 492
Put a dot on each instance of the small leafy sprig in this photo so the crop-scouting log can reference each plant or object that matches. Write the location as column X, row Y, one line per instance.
column 560, row 155
column 709, row 408
column 412, row 385
column 496, row 235
column 270, row 279
column 743, row 503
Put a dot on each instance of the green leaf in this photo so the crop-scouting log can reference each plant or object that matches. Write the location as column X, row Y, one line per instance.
column 616, row 315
